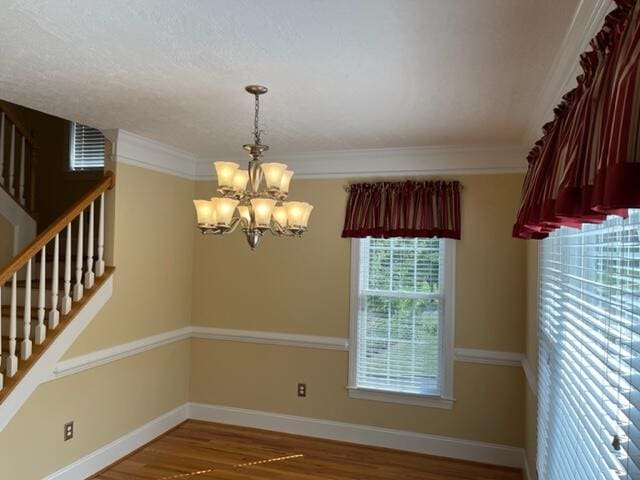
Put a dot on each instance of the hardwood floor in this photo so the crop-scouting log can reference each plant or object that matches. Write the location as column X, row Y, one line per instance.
column 201, row 450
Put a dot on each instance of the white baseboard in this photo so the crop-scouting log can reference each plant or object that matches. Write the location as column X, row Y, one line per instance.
column 457, row 448
column 110, row 453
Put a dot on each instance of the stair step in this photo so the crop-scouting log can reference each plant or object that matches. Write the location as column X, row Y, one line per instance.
column 25, row 365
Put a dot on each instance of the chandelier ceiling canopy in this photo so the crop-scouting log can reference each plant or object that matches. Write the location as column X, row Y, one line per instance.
column 261, row 206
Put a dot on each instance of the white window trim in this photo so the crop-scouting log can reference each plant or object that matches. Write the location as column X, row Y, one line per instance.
column 447, row 329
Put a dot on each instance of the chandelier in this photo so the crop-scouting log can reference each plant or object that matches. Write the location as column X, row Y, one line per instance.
column 260, row 207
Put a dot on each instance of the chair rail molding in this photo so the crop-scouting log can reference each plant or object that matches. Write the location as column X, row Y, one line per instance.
column 80, row 363
column 272, row 338
column 488, row 357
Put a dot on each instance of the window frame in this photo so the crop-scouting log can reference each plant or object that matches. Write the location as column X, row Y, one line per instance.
column 445, row 398
column 90, row 172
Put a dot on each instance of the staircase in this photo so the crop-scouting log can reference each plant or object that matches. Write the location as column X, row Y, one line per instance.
column 47, row 284
column 18, row 159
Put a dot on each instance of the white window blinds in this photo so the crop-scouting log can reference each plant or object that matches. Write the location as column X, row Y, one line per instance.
column 589, row 398
column 87, row 147
column 399, row 317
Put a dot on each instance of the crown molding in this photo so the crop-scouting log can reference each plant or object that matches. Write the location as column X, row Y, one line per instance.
column 390, row 162
column 587, row 21
column 132, row 149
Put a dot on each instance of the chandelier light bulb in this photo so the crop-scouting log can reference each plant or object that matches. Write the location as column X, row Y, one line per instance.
column 273, row 174
column 307, row 213
column 280, row 216
column 240, row 179
column 224, row 208
column 295, row 213
column 286, row 180
column 245, row 214
column 205, row 212
column 226, row 172
column 298, row 214
column 262, row 208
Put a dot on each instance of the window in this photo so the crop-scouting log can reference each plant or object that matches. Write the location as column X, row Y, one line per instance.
column 589, row 366
column 87, row 148
column 402, row 320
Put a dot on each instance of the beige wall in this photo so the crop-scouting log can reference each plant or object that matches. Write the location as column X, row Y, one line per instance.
column 310, row 295
column 105, row 403
column 153, row 233
column 153, row 237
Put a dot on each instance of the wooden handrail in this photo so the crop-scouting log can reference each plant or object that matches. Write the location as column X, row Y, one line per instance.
column 9, row 113
column 60, row 224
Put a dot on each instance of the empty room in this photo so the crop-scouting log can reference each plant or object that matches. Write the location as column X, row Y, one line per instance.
column 320, row 239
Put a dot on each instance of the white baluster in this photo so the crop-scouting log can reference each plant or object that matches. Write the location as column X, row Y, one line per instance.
column 54, row 314
column 1, row 376
column 12, row 161
column 11, row 365
column 100, row 261
column 66, row 299
column 2, row 148
column 23, row 147
column 78, row 290
column 40, row 331
column 89, row 277
column 25, row 346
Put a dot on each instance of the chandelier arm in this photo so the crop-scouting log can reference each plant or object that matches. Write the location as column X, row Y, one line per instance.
column 232, row 226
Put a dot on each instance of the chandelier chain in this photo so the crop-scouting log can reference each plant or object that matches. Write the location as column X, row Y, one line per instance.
column 256, row 124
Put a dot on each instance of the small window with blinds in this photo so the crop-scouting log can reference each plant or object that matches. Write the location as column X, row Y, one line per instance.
column 401, row 333
column 589, row 365
column 87, row 148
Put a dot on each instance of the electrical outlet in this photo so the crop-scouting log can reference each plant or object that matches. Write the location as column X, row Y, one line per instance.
column 68, row 431
column 302, row 389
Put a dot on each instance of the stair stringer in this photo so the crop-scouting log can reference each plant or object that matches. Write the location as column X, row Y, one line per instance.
column 43, row 370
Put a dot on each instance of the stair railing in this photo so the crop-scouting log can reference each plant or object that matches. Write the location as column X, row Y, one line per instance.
column 88, row 266
column 18, row 159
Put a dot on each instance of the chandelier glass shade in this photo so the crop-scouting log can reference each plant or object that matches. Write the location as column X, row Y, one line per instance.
column 257, row 194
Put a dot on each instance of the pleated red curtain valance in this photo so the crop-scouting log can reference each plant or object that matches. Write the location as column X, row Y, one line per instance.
column 403, row 209
column 587, row 164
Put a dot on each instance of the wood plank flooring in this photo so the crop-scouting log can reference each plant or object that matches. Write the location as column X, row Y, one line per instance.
column 200, row 450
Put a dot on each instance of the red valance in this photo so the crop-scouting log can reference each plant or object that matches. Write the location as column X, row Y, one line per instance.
column 587, row 164
column 403, row 209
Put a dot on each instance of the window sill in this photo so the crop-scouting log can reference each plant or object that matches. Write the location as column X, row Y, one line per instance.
column 434, row 401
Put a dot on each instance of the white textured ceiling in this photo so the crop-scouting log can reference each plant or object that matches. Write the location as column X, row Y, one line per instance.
column 343, row 74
